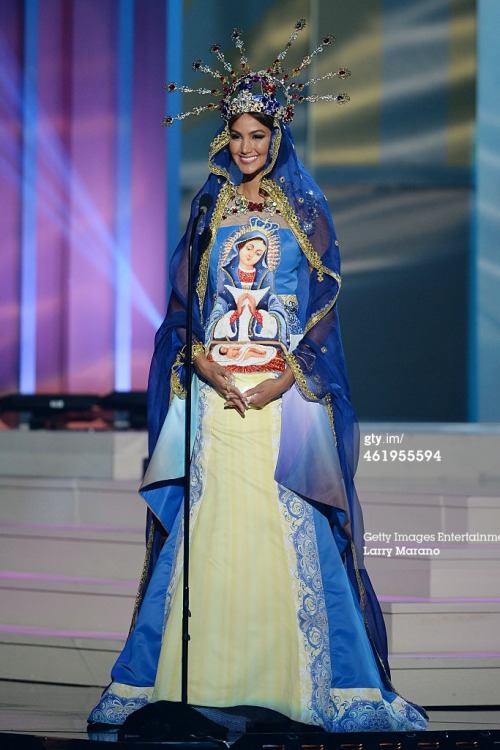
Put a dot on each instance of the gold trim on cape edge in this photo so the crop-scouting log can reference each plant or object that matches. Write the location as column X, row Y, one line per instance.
column 140, row 590
column 331, row 417
column 176, row 388
column 300, row 377
column 224, row 196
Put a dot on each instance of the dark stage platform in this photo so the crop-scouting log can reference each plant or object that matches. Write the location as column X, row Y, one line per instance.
column 37, row 716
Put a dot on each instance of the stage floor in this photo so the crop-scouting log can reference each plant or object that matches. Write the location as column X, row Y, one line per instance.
column 60, row 711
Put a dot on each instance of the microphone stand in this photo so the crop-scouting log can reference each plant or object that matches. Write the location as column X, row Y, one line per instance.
column 205, row 203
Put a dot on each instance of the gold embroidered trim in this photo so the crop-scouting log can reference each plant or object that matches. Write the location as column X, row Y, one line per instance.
column 196, row 349
column 276, row 193
column 224, row 196
column 331, row 416
column 217, row 144
column 299, row 377
column 362, row 592
column 142, row 582
column 288, row 299
column 176, row 388
column 362, row 602
column 275, row 147
column 321, row 314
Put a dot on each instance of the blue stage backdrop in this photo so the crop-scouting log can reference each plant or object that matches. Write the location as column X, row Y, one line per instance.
column 94, row 192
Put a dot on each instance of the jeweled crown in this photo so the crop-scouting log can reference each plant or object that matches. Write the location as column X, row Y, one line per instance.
column 249, row 91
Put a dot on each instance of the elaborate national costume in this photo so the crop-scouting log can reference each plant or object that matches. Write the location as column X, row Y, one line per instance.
column 283, row 614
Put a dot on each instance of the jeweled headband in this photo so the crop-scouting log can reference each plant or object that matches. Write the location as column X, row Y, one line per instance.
column 249, row 91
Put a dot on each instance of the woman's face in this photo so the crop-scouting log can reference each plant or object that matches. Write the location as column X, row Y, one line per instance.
column 249, row 145
column 251, row 252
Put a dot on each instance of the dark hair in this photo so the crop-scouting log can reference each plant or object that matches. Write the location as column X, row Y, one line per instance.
column 266, row 120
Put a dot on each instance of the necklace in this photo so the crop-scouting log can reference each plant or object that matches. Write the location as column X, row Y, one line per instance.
column 246, row 277
column 241, row 205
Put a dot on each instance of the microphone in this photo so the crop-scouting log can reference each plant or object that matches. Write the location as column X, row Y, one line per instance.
column 206, row 201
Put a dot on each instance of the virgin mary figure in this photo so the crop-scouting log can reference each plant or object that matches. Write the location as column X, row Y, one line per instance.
column 247, row 308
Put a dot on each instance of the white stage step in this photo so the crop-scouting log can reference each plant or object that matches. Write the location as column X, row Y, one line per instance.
column 448, row 627
column 72, row 453
column 72, row 548
column 436, row 680
column 429, row 680
column 57, row 659
column 73, row 605
column 72, row 503
column 453, row 574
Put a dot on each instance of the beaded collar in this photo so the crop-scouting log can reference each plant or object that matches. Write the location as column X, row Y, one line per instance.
column 239, row 204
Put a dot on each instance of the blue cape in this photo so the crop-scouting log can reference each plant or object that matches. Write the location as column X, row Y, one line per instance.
column 318, row 468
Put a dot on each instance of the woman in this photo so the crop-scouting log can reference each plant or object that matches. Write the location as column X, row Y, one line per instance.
column 282, row 611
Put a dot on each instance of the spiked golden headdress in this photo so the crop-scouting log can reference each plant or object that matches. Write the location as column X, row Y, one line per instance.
column 249, row 91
